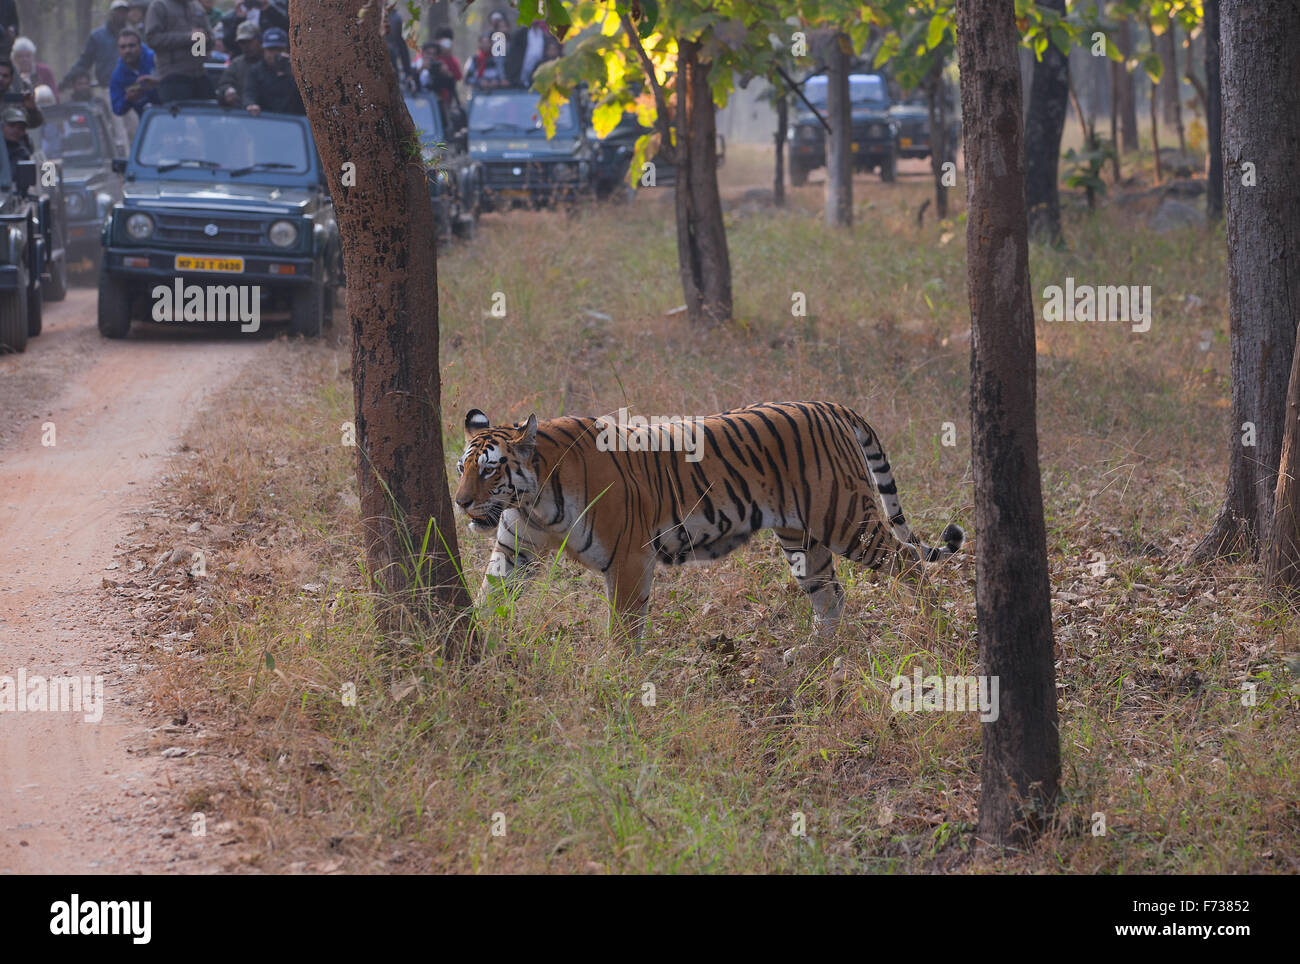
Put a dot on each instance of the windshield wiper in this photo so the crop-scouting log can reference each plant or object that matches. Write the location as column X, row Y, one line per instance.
column 166, row 166
column 263, row 166
column 514, row 127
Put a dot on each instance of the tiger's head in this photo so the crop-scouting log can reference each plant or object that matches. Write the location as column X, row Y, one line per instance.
column 496, row 470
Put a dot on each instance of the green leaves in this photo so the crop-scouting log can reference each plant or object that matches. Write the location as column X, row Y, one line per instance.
column 1153, row 66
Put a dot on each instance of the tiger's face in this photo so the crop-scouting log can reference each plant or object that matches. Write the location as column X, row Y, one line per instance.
column 496, row 471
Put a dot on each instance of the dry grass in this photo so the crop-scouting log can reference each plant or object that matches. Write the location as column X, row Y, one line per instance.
column 551, row 731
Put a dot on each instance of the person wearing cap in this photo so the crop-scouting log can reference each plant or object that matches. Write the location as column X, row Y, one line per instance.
column 270, row 85
column 234, row 79
column 133, row 85
column 100, row 53
column 14, row 122
column 172, row 28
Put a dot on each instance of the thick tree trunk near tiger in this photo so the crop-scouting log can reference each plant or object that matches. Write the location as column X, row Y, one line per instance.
column 386, row 224
column 702, row 254
column 1049, row 97
column 1021, row 761
column 1213, row 114
column 839, row 140
column 782, row 121
column 1261, row 127
column 1126, row 91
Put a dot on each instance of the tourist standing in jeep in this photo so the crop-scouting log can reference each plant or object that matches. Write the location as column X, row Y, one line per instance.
column 171, row 30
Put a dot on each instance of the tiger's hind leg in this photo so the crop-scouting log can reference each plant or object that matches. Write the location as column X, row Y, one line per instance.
column 812, row 564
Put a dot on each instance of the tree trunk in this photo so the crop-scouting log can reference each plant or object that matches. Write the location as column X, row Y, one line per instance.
column 1114, row 119
column 1048, row 102
column 702, row 253
column 839, row 113
column 1213, row 114
column 1261, row 127
column 1155, row 126
column 936, row 104
column 437, row 14
column 1126, row 90
column 1021, row 764
column 1282, row 551
column 1167, row 46
column 782, row 121
column 386, row 224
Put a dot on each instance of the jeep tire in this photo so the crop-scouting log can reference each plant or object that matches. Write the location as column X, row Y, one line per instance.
column 114, row 312
column 307, row 310
column 13, row 320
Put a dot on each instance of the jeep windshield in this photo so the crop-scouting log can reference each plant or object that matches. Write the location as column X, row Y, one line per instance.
column 204, row 142
column 517, row 114
column 865, row 90
column 428, row 124
column 72, row 136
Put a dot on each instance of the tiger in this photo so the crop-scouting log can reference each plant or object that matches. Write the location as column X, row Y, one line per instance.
column 810, row 471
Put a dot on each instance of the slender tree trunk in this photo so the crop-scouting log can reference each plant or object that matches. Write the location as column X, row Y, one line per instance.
column 702, row 255
column 1261, row 128
column 1167, row 46
column 1114, row 119
column 1213, row 114
column 1282, row 551
column 936, row 104
column 1021, row 764
column 1155, row 132
column 1127, row 90
column 782, row 121
column 1048, row 102
column 386, row 223
column 839, row 113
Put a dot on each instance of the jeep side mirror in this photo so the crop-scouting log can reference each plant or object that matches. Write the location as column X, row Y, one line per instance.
column 25, row 176
column 119, row 165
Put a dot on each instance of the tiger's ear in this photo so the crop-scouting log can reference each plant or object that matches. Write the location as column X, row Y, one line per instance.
column 526, row 441
column 475, row 422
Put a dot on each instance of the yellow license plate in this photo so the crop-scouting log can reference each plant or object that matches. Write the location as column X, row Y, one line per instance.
column 185, row 262
column 905, row 141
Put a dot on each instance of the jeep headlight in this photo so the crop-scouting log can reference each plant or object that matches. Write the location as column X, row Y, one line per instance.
column 139, row 227
column 76, row 203
column 283, row 234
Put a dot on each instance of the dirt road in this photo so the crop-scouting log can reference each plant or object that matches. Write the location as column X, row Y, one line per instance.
column 77, row 796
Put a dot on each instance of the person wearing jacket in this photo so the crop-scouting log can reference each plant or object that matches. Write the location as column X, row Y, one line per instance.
column 234, row 79
column 270, row 85
column 133, row 85
column 173, row 28
column 99, row 56
column 8, row 25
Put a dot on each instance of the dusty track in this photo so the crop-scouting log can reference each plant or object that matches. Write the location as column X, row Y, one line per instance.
column 78, row 797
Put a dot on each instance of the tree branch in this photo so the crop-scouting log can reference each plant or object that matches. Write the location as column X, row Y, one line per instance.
column 666, row 145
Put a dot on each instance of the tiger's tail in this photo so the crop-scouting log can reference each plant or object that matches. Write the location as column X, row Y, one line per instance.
column 952, row 535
